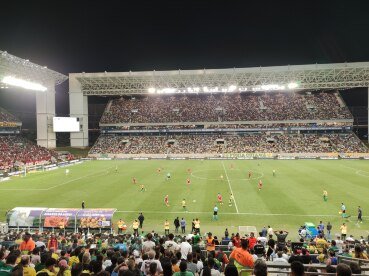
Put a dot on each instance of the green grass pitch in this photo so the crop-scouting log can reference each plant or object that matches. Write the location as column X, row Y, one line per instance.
column 286, row 201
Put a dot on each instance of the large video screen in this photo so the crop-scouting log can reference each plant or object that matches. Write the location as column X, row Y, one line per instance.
column 66, row 124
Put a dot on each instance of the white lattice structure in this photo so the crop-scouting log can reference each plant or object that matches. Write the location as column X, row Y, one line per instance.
column 307, row 77
column 45, row 101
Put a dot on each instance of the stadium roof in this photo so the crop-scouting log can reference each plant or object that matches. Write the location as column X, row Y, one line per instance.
column 21, row 68
column 293, row 77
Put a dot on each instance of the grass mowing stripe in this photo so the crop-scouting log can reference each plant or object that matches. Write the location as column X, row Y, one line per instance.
column 58, row 185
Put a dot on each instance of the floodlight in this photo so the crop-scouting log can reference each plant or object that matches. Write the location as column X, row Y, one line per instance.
column 166, row 90
column 24, row 84
column 232, row 88
column 151, row 90
column 292, row 85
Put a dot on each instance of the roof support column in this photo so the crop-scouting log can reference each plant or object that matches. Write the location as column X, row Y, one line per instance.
column 45, row 111
column 78, row 107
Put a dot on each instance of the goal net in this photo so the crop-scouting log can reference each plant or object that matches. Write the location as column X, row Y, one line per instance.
column 246, row 230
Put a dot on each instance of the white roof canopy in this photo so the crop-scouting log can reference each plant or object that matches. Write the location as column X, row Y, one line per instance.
column 307, row 77
column 21, row 68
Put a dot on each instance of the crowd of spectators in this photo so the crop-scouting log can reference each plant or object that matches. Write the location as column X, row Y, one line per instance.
column 18, row 151
column 256, row 143
column 191, row 254
column 231, row 107
column 7, row 117
column 229, row 126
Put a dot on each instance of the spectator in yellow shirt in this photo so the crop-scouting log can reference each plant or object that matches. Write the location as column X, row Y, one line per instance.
column 166, row 227
column 27, row 269
column 197, row 225
column 135, row 226
column 343, row 231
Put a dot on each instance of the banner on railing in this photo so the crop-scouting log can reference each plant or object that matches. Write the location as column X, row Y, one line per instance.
column 60, row 217
column 95, row 218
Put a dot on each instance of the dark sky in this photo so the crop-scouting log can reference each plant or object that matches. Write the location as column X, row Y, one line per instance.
column 94, row 36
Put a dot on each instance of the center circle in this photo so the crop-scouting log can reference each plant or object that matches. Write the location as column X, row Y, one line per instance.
column 203, row 174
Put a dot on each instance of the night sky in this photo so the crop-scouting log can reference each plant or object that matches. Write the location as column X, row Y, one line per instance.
column 95, row 36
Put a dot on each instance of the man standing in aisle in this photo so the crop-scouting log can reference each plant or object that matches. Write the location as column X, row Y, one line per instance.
column 166, row 227
column 183, row 226
column 343, row 229
column 141, row 219
column 329, row 229
column 135, row 228
column 359, row 215
column 215, row 214
column 176, row 224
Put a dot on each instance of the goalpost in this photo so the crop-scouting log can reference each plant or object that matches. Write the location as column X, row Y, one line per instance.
column 246, row 230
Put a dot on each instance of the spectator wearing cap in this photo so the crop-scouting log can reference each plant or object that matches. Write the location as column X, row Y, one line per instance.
column 241, row 257
column 27, row 244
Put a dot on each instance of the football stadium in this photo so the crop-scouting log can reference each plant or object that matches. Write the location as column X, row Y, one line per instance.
column 229, row 171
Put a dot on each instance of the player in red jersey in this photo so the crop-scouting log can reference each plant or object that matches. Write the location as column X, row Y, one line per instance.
column 220, row 199
column 134, row 180
column 166, row 200
column 260, row 185
column 250, row 174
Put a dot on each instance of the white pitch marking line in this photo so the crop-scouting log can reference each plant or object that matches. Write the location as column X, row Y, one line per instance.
column 357, row 171
column 52, row 187
column 230, row 187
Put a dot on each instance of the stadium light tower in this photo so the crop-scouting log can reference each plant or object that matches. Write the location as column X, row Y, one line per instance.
column 18, row 72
